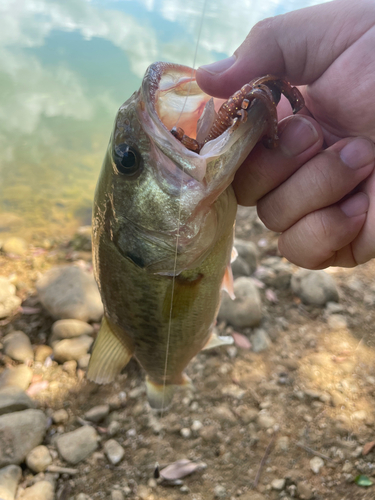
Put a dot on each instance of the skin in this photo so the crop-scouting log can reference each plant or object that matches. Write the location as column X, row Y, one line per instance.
column 318, row 187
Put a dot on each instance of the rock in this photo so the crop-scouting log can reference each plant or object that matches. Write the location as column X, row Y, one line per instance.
column 316, row 463
column 9, row 478
column 185, row 432
column 246, row 309
column 97, row 413
column 240, row 267
column 220, row 491
column 68, row 329
column 39, row 459
column 260, row 340
column 77, row 445
column 60, row 416
column 275, row 273
column 14, row 399
column 314, row 287
column 20, row 432
column 18, row 376
column 17, row 346
column 70, row 367
column 117, row 495
column 247, row 414
column 70, row 292
column 42, row 490
column 282, row 443
column 84, row 361
column 265, row 421
column 304, row 491
column 114, row 451
column 9, row 301
column 72, row 349
column 42, row 352
column 337, row 322
column 15, row 246
column 247, row 250
column 224, row 415
column 278, row 484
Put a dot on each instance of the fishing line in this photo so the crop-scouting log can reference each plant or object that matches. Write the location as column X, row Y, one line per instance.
column 156, row 471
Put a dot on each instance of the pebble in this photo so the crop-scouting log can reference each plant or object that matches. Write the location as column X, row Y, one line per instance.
column 42, row 352
column 97, row 413
column 246, row 309
column 337, row 322
column 265, row 421
column 220, row 491
column 117, row 495
column 185, row 432
column 20, row 432
column 260, row 340
column 314, row 287
column 72, row 349
column 113, row 428
column 17, row 346
column 275, row 273
column 247, row 250
column 84, row 361
column 114, row 451
column 14, row 399
column 39, row 459
column 9, row 301
column 42, row 490
column 283, row 443
column 224, row 415
column 278, row 484
column 316, row 463
column 60, row 416
column 247, row 414
column 69, row 328
column 69, row 292
column 77, row 445
column 18, row 376
column 70, row 367
column 304, row 491
column 15, row 246
column 196, row 426
column 9, row 478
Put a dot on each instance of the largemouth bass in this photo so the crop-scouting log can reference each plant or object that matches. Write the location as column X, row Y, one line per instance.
column 163, row 227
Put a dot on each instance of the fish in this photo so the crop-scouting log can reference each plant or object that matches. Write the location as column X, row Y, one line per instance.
column 163, row 228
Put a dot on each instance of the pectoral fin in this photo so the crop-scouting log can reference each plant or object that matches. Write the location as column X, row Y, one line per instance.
column 109, row 356
column 216, row 341
column 227, row 283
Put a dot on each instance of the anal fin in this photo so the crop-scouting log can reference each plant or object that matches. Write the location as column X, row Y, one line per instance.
column 109, row 355
column 160, row 396
column 216, row 341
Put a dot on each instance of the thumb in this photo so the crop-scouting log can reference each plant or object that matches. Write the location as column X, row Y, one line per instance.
column 299, row 46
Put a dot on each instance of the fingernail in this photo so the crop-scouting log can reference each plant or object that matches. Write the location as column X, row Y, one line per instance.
column 355, row 205
column 298, row 135
column 358, row 153
column 219, row 66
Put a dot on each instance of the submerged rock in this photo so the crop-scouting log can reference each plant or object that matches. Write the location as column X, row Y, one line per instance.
column 246, row 309
column 77, row 445
column 314, row 287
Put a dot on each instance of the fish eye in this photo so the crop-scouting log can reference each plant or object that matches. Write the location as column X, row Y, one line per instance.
column 127, row 159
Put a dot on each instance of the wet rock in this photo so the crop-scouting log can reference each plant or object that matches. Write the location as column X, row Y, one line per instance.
column 20, row 432
column 15, row 246
column 60, row 416
column 260, row 340
column 18, row 376
column 9, row 301
column 114, row 451
column 42, row 352
column 246, row 309
column 77, row 445
column 70, row 292
column 97, row 413
column 17, row 346
column 247, row 251
column 278, row 484
column 72, row 349
column 14, row 399
column 337, row 322
column 304, row 491
column 314, row 287
column 39, row 459
column 42, row 490
column 68, row 329
column 316, row 463
column 9, row 478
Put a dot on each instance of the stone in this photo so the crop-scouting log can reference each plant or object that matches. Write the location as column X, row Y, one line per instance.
column 304, row 491
column 84, row 361
column 42, row 490
column 77, row 445
column 114, row 451
column 9, row 478
column 185, row 432
column 240, row 267
column 275, row 273
column 15, row 246
column 39, row 459
column 14, row 399
column 224, row 415
column 282, row 443
column 247, row 250
column 260, row 340
column 69, row 292
column 72, row 349
column 265, row 421
column 246, row 309
column 60, row 416
column 20, row 432
column 278, row 484
column 68, row 329
column 117, row 495
column 17, row 346
column 42, row 352
column 247, row 414
column 9, row 301
column 316, row 463
column 220, row 491
column 337, row 322
column 97, row 413
column 17, row 376
column 314, row 287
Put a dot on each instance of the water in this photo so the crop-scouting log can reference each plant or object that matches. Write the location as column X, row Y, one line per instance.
column 66, row 67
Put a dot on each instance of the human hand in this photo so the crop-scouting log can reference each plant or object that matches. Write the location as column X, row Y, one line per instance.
column 322, row 200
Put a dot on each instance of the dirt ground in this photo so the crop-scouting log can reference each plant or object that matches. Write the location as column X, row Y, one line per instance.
column 310, row 393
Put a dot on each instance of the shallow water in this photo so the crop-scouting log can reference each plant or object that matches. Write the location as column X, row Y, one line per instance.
column 66, row 67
